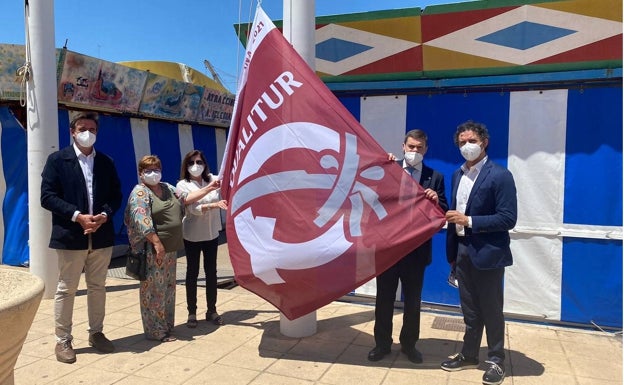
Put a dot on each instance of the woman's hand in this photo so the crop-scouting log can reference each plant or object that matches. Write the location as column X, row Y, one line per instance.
column 222, row 204
column 214, row 185
column 198, row 194
column 159, row 248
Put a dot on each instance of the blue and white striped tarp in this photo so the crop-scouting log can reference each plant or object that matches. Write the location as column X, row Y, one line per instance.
column 124, row 139
column 564, row 148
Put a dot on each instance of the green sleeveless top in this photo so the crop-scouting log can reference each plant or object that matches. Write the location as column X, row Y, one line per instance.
column 167, row 217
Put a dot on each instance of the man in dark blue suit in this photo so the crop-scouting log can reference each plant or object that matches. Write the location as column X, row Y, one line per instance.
column 82, row 190
column 483, row 210
column 410, row 270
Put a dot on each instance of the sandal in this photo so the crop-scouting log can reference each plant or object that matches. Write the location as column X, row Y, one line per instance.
column 168, row 338
column 192, row 321
column 215, row 318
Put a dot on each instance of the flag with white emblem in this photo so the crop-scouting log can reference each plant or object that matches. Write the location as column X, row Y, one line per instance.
column 316, row 209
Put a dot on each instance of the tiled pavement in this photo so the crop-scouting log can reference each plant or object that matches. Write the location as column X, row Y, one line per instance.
column 249, row 348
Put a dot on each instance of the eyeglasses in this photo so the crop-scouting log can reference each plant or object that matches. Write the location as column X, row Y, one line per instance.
column 197, row 162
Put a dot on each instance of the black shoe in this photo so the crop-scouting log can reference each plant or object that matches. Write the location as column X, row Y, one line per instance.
column 413, row 355
column 101, row 343
column 459, row 362
column 378, row 353
column 495, row 374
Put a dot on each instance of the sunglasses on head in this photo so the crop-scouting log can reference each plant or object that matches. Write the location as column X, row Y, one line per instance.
column 197, row 162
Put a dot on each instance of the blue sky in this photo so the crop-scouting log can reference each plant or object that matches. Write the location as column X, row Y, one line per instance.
column 182, row 31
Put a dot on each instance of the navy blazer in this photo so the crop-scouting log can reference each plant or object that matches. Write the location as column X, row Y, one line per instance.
column 64, row 190
column 493, row 206
column 430, row 178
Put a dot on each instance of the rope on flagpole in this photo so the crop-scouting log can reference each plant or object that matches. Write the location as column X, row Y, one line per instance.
column 23, row 72
column 238, row 33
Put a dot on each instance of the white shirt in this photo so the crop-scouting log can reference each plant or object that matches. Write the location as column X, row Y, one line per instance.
column 415, row 172
column 86, row 165
column 200, row 226
column 464, row 189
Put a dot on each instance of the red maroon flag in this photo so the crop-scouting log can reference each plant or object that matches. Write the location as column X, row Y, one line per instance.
column 315, row 208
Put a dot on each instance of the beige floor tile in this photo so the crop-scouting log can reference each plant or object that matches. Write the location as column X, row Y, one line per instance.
column 90, row 375
column 595, row 348
column 43, row 371
column 340, row 374
column 415, row 377
column 544, row 379
column 123, row 317
column 25, row 360
column 357, row 356
column 597, row 381
column 223, row 374
column 206, row 350
column 41, row 347
column 136, row 380
column 175, row 370
column 319, row 349
column 271, row 379
column 300, row 367
column 365, row 339
column 340, row 332
column 128, row 362
column 248, row 358
column 535, row 364
column 272, row 341
column 523, row 343
column 595, row 368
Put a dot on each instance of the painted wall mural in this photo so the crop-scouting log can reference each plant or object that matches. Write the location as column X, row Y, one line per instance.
column 472, row 38
column 86, row 82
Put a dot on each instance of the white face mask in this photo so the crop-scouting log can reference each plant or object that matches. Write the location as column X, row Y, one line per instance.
column 470, row 151
column 413, row 158
column 85, row 138
column 151, row 178
column 195, row 170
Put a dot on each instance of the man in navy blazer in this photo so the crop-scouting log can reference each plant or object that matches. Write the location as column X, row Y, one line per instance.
column 410, row 270
column 483, row 210
column 82, row 190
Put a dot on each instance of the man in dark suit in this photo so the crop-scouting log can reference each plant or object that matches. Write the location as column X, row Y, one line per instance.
column 483, row 210
column 410, row 270
column 82, row 190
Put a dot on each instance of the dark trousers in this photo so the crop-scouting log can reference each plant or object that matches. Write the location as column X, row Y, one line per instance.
column 481, row 300
column 193, row 250
column 411, row 272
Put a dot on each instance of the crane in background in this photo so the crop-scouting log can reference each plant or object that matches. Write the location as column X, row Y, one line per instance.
column 213, row 72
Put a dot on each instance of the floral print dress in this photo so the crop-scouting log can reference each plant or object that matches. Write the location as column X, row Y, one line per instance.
column 157, row 292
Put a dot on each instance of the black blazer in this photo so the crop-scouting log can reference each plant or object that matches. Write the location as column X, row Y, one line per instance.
column 63, row 191
column 430, row 178
column 492, row 204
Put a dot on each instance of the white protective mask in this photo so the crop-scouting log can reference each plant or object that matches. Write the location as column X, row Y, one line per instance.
column 195, row 170
column 152, row 178
column 85, row 138
column 470, row 151
column 413, row 158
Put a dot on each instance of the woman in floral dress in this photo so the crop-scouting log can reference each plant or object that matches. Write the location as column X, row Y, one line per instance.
column 153, row 217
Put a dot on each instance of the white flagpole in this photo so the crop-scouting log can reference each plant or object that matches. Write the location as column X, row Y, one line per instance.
column 42, row 127
column 299, row 27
